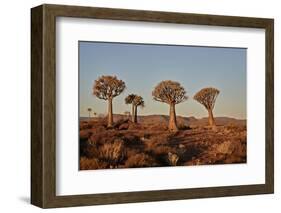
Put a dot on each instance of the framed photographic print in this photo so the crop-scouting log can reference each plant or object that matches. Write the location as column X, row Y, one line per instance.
column 136, row 106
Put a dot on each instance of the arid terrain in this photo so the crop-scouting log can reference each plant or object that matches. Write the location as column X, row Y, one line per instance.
column 149, row 143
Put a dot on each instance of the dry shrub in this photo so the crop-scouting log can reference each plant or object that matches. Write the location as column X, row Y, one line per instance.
column 227, row 147
column 89, row 151
column 93, row 163
column 182, row 126
column 131, row 152
column 100, row 138
column 132, row 140
column 95, row 139
column 84, row 134
column 235, row 128
column 157, row 140
column 98, row 122
column 230, row 152
column 163, row 150
column 84, row 125
column 113, row 153
column 135, row 126
column 140, row 160
column 98, row 129
column 159, row 146
column 157, row 127
column 189, row 152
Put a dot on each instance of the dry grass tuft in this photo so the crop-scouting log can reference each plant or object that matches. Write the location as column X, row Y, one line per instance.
column 113, row 153
column 140, row 160
column 92, row 163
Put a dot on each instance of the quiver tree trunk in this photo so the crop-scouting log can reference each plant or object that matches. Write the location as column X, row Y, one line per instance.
column 211, row 118
column 173, row 119
column 136, row 115
column 133, row 113
column 110, row 114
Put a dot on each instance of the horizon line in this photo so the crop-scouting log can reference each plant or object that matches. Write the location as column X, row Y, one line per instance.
column 223, row 116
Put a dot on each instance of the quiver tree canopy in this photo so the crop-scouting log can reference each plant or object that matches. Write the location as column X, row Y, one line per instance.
column 129, row 99
column 138, row 101
column 106, row 87
column 170, row 92
column 207, row 97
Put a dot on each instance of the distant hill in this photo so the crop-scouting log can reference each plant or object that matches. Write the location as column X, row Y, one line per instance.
column 183, row 120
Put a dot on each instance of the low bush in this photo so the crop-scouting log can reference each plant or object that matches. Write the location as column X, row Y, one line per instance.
column 89, row 151
column 182, row 126
column 92, row 163
column 140, row 160
column 113, row 153
column 84, row 125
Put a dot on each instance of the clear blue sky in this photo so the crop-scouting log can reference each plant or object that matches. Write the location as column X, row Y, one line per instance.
column 142, row 66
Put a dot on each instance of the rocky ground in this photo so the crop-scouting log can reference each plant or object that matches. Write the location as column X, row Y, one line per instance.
column 150, row 144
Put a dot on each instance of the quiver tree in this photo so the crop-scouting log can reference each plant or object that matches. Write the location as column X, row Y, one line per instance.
column 106, row 88
column 172, row 93
column 207, row 97
column 89, row 110
column 136, row 101
column 129, row 100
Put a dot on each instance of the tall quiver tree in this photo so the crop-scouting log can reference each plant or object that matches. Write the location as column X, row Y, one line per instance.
column 172, row 93
column 106, row 88
column 207, row 97
column 137, row 102
column 129, row 100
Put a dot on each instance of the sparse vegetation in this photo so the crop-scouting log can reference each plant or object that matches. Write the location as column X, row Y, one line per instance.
column 149, row 144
